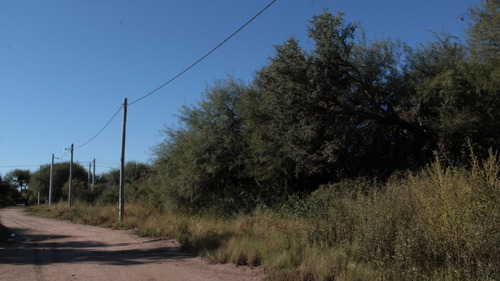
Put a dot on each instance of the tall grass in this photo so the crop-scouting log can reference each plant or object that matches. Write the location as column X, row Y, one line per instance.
column 437, row 224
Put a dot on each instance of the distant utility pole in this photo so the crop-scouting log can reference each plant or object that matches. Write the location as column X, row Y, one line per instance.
column 51, row 184
column 122, row 160
column 88, row 180
column 70, row 177
column 93, row 176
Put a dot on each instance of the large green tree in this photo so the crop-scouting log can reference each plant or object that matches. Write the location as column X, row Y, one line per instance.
column 8, row 193
column 336, row 109
column 21, row 179
column 484, row 31
column 455, row 87
column 203, row 160
column 484, row 42
column 41, row 180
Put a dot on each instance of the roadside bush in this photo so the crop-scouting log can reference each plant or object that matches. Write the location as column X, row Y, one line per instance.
column 108, row 195
column 440, row 223
column 456, row 224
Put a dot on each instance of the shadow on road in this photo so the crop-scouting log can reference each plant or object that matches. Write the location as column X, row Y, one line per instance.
column 44, row 250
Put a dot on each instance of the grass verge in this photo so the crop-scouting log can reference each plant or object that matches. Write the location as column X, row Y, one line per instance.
column 438, row 224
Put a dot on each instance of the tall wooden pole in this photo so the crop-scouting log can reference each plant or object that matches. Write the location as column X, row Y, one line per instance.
column 51, row 184
column 93, row 175
column 88, row 179
column 70, row 177
column 122, row 161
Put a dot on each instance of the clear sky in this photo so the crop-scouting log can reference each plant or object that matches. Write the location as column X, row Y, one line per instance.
column 67, row 65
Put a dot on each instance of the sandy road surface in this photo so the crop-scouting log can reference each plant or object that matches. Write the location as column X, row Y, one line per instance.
column 48, row 249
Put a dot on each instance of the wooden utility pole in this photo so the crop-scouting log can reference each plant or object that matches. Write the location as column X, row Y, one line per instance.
column 122, row 161
column 93, row 176
column 51, row 184
column 88, row 179
column 70, row 177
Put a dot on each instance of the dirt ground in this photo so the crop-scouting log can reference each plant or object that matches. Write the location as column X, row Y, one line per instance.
column 48, row 249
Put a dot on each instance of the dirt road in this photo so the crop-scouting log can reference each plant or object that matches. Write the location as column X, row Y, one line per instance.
column 48, row 249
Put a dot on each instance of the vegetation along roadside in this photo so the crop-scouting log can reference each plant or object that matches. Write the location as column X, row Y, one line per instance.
column 439, row 224
column 344, row 160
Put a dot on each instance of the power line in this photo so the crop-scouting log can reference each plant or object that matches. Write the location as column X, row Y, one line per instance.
column 106, row 166
column 203, row 57
column 111, row 163
column 98, row 133
column 175, row 77
column 62, row 156
column 19, row 166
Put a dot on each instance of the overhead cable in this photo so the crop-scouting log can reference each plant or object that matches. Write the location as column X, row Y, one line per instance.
column 98, row 133
column 180, row 73
column 203, row 57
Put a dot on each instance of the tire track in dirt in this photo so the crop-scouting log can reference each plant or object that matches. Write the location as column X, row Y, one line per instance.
column 37, row 261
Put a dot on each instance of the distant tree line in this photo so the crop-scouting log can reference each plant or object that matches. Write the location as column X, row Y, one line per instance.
column 22, row 186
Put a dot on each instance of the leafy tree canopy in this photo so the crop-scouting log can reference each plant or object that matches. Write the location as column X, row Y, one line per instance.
column 41, row 179
column 21, row 179
column 8, row 193
column 346, row 107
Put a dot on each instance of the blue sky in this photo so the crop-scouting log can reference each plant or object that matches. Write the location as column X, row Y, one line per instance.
column 67, row 65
